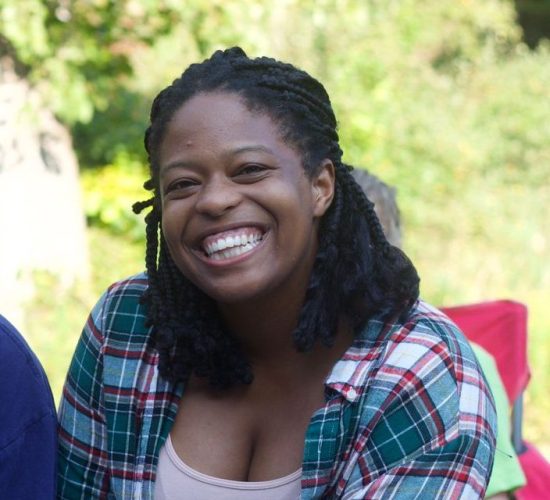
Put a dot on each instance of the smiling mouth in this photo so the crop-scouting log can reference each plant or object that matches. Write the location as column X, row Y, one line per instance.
column 230, row 244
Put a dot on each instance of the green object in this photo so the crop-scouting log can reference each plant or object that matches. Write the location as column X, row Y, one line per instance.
column 507, row 473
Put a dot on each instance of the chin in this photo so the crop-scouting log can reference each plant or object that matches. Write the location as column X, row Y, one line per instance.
column 232, row 297
column 232, row 294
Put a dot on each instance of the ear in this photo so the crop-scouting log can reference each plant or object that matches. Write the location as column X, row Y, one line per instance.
column 323, row 188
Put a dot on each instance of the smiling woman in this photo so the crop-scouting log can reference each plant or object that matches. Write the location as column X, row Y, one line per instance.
column 276, row 346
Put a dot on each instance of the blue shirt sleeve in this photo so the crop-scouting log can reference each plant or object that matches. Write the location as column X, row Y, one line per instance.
column 28, row 437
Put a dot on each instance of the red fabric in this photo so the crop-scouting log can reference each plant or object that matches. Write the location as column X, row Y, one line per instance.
column 500, row 327
column 537, row 472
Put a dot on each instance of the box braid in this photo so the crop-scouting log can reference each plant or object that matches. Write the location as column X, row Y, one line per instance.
column 356, row 272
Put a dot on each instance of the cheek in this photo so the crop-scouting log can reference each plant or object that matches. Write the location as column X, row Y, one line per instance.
column 292, row 194
column 175, row 213
column 172, row 229
column 167, row 228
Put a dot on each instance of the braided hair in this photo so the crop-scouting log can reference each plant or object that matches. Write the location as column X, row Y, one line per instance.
column 356, row 272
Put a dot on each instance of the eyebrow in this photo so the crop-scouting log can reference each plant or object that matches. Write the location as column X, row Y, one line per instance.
column 164, row 169
column 248, row 149
column 234, row 152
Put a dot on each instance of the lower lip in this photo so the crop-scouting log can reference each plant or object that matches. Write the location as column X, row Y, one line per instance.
column 233, row 260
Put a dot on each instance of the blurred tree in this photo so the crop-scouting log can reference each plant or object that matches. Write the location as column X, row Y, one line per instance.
column 76, row 51
column 65, row 57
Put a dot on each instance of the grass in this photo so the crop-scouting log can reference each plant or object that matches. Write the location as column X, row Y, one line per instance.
column 491, row 242
column 56, row 315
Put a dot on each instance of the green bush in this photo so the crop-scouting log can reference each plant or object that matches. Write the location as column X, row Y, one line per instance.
column 110, row 192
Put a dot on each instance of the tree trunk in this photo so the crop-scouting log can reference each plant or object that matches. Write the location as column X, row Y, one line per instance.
column 42, row 223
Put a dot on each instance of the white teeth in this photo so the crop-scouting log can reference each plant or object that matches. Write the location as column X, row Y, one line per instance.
column 231, row 246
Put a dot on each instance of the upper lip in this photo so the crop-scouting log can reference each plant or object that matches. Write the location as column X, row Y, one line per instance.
column 225, row 227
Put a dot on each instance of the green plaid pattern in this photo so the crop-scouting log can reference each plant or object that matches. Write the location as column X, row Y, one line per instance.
column 407, row 413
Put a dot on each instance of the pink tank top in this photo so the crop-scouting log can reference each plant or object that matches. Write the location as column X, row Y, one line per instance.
column 177, row 480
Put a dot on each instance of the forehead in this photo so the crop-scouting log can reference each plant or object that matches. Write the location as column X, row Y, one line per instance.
column 221, row 116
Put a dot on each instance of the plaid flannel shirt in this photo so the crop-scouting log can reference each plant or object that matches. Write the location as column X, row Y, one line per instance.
column 407, row 413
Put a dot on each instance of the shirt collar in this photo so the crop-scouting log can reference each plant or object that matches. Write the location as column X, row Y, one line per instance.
column 349, row 375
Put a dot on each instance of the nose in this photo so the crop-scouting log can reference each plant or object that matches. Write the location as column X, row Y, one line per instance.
column 217, row 196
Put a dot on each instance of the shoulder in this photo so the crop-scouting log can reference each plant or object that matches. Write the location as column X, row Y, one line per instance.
column 436, row 337
column 425, row 340
column 17, row 357
column 25, row 388
column 416, row 402
column 119, row 312
column 113, row 349
column 126, row 293
column 428, row 333
column 405, row 346
column 13, row 348
column 116, row 331
column 421, row 369
column 431, row 350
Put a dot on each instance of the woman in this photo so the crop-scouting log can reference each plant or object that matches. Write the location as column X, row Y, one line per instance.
column 275, row 347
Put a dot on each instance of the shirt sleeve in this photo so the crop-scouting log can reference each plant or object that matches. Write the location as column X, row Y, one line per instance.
column 453, row 471
column 433, row 433
column 82, row 452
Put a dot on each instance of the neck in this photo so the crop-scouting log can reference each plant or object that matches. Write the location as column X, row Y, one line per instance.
column 265, row 332
column 264, row 327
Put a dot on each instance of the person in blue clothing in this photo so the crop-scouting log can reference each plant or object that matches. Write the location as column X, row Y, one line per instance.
column 28, row 422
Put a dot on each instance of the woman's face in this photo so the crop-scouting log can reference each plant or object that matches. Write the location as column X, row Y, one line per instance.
column 239, row 213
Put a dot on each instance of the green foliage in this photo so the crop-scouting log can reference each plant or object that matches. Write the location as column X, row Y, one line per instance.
column 114, row 133
column 76, row 52
column 56, row 314
column 110, row 192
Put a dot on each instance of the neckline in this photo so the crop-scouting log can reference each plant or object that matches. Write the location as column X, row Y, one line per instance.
column 227, row 483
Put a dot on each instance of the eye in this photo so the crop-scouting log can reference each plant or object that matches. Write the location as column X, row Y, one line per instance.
column 180, row 186
column 252, row 171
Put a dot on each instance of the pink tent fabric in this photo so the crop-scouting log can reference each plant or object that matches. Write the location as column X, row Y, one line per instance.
column 501, row 328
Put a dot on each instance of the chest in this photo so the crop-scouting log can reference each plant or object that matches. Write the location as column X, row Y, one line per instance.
column 223, row 438
column 245, row 435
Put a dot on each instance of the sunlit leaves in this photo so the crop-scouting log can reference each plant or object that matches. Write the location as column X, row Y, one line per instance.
column 76, row 50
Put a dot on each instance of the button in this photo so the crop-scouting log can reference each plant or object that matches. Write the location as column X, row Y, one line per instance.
column 352, row 394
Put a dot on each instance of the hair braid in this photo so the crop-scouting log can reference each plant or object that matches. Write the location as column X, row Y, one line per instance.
column 365, row 206
column 318, row 319
column 151, row 229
